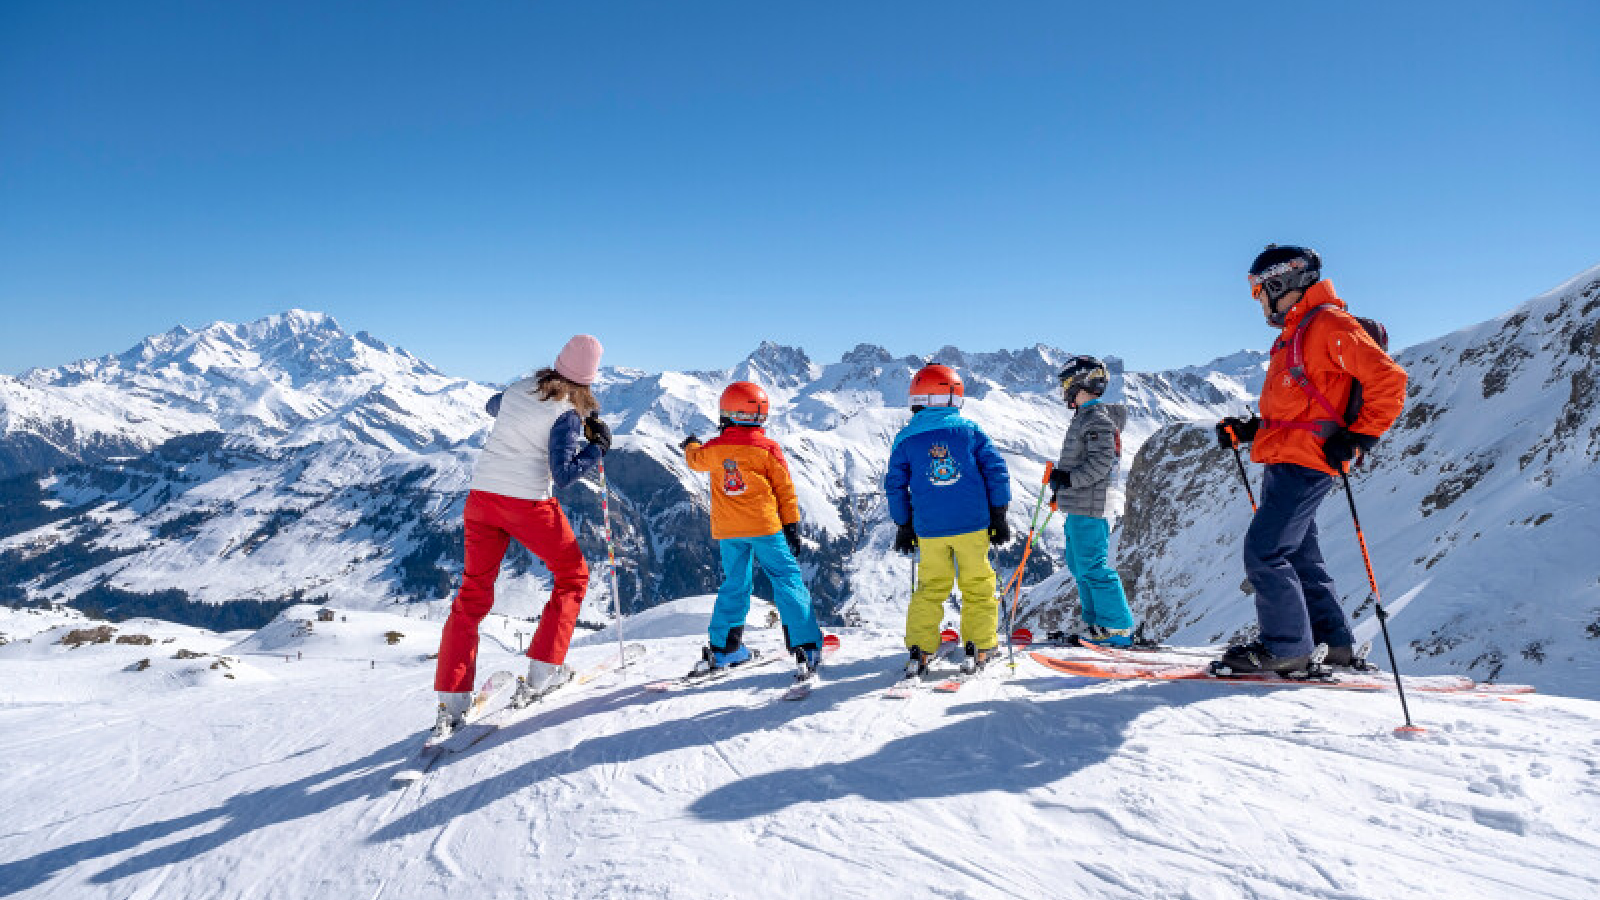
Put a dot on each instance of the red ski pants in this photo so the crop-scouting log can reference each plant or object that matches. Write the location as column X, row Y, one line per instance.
column 492, row 520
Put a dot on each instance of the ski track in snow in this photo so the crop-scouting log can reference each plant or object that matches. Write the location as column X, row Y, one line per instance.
column 1028, row 784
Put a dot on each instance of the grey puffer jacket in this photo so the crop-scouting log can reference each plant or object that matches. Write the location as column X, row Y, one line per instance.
column 1089, row 457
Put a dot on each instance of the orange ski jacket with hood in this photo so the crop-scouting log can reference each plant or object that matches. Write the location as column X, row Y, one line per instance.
column 1338, row 351
column 752, row 494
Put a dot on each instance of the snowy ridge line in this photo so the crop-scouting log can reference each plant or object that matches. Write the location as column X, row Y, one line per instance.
column 286, row 449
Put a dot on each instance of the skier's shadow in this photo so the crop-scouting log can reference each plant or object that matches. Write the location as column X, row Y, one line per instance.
column 1036, row 742
column 239, row 815
column 844, row 682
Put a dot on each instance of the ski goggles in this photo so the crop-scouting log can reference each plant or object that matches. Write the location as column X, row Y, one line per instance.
column 1275, row 281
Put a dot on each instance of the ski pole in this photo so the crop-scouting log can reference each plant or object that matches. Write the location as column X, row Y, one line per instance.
column 1032, row 525
column 611, row 562
column 1238, row 460
column 1016, row 596
column 1016, row 576
column 1383, row 614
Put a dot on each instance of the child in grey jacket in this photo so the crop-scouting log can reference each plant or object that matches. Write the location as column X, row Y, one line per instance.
column 1082, row 483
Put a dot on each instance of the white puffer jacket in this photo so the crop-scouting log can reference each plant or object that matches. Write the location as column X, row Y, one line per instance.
column 535, row 444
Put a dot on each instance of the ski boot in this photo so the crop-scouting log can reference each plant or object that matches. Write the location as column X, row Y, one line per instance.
column 1350, row 658
column 808, row 659
column 1091, row 634
column 917, row 665
column 1254, row 658
column 975, row 659
column 1141, row 642
column 542, row 678
column 451, row 716
column 1116, row 638
column 715, row 662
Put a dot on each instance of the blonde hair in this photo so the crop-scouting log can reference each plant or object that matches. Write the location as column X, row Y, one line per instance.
column 552, row 386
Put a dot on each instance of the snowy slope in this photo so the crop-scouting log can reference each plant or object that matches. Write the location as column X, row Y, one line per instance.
column 1482, row 508
column 1036, row 786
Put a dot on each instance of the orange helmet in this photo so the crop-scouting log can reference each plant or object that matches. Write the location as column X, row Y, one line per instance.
column 937, row 385
column 743, row 403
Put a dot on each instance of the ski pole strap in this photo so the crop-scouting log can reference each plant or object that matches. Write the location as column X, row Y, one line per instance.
column 1295, row 344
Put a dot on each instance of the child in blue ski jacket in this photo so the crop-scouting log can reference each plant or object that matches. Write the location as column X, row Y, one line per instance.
column 948, row 490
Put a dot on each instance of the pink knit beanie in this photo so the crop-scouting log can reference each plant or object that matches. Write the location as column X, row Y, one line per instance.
column 579, row 361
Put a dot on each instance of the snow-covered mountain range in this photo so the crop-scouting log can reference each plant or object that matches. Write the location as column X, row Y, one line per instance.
column 214, row 475
column 285, row 459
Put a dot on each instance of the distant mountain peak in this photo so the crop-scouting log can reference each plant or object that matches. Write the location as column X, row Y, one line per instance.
column 290, row 322
column 775, row 365
column 867, row 355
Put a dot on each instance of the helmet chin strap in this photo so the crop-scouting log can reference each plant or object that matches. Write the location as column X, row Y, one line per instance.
column 1277, row 318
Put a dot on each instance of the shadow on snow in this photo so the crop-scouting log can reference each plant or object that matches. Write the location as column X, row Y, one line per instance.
column 1003, row 744
column 1010, row 745
column 238, row 816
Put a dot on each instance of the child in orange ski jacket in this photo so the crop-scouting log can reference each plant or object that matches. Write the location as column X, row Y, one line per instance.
column 755, row 519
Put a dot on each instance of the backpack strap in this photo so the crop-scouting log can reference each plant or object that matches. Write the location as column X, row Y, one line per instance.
column 1295, row 344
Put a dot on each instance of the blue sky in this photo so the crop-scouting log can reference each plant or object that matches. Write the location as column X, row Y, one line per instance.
column 476, row 181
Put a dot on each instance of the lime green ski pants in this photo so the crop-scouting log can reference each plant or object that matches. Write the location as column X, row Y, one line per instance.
column 944, row 559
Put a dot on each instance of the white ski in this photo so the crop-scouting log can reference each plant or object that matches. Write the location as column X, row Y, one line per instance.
column 496, row 714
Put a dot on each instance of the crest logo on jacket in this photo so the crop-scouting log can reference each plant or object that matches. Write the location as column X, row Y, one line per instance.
column 733, row 483
column 942, row 470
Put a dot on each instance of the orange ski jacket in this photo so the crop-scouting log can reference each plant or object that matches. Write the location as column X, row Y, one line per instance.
column 752, row 494
column 1338, row 351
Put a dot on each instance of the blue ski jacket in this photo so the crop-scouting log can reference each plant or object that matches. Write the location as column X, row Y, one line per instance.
column 944, row 475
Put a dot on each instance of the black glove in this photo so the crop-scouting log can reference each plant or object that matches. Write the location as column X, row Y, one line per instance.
column 905, row 539
column 1345, row 445
column 597, row 433
column 492, row 407
column 1244, row 431
column 791, row 533
column 999, row 528
column 684, row 444
column 1059, row 481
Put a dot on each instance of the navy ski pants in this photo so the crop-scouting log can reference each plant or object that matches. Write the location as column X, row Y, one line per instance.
column 1296, row 602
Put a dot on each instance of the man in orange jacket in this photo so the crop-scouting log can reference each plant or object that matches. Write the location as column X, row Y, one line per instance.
column 1309, row 431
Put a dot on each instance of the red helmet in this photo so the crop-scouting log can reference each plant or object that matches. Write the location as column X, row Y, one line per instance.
column 937, row 385
column 743, row 403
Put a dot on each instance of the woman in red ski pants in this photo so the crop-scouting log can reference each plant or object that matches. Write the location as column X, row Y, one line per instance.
column 547, row 434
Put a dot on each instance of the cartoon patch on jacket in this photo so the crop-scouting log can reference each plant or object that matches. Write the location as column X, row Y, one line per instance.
column 733, row 483
column 942, row 470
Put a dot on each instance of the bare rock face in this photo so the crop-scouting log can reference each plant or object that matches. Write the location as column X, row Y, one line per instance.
column 77, row 637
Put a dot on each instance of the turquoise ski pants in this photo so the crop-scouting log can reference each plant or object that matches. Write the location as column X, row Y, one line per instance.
column 1099, row 587
column 788, row 589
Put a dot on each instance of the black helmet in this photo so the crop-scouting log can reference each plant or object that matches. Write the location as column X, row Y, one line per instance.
column 1279, row 270
column 1087, row 373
